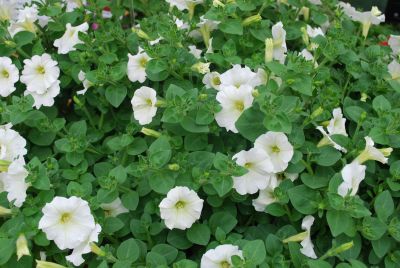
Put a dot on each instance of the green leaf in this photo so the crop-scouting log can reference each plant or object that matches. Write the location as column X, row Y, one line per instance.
column 278, row 122
column 273, row 244
column 128, row 250
column 381, row 246
column 23, row 38
column 254, row 252
column 318, row 264
column 160, row 152
column 381, row 104
column 168, row 252
column 116, row 94
column 231, row 26
column 328, row 156
column 384, row 206
column 339, row 222
column 130, row 200
column 303, row 199
column 373, row 228
column 223, row 220
column 222, row 184
column 300, row 83
column 112, row 225
column 7, row 249
column 250, row 124
column 199, row 234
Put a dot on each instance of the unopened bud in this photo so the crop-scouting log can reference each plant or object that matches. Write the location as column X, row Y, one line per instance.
column 5, row 211
column 174, row 167
column 217, row 3
column 161, row 103
column 22, row 246
column 364, row 97
column 77, row 101
column 305, row 11
column 304, row 36
column 9, row 43
column 317, row 112
column 47, row 264
column 255, row 93
column 141, row 33
column 252, row 19
column 269, row 50
column 203, row 97
column 150, row 132
column 296, row 238
column 96, row 250
column 336, row 251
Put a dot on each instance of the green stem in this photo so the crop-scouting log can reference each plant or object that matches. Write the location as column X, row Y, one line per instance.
column 23, row 53
column 308, row 167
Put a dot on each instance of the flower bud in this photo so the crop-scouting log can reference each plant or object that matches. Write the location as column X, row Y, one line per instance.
column 203, row 97
column 269, row 50
column 386, row 151
column 217, row 3
column 304, row 36
column 47, row 264
column 251, row 20
column 296, row 238
column 141, row 33
column 317, row 112
column 22, row 246
column 77, row 101
column 364, row 97
column 305, row 11
column 96, row 250
column 174, row 167
column 255, row 93
column 201, row 67
column 5, row 211
column 161, row 103
column 9, row 43
column 150, row 132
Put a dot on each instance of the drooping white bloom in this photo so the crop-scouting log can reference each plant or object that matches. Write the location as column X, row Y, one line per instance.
column 212, row 80
column 279, row 41
column 181, row 208
column 394, row 70
column 353, row 174
column 238, row 76
column 9, row 75
column 76, row 256
column 72, row 4
column 40, row 73
column 394, row 43
column 259, row 167
column 86, row 83
column 307, row 245
column 220, row 257
column 67, row 42
column 372, row 153
column 314, row 32
column 278, row 148
column 114, row 208
column 144, row 104
column 266, row 196
column 327, row 140
column 13, row 182
column 64, row 218
column 195, row 51
column 137, row 66
column 12, row 144
column 337, row 125
column 233, row 101
column 45, row 98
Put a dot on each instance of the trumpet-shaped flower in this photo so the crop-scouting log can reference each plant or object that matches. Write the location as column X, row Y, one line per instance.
column 266, row 196
column 22, row 247
column 279, row 42
column 144, row 105
column 137, row 66
column 220, row 257
column 307, row 245
column 394, row 70
column 372, row 153
column 195, row 51
column 233, row 101
column 314, row 32
column 337, row 125
column 76, row 256
column 259, row 167
column 12, row 144
column 86, row 83
column 181, row 208
column 212, row 80
column 278, row 148
column 327, row 140
column 13, row 182
column 9, row 75
column 353, row 174
column 394, row 43
column 184, row 4
column 70, row 39
column 64, row 218
column 114, row 208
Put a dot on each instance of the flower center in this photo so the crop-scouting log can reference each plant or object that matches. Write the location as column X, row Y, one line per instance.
column 216, row 81
column 248, row 165
column 180, row 204
column 275, row 149
column 225, row 264
column 71, row 32
column 65, row 218
column 143, row 62
column 40, row 69
column 239, row 106
column 149, row 102
column 5, row 73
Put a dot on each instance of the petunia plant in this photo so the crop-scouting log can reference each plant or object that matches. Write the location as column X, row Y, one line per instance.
column 198, row 133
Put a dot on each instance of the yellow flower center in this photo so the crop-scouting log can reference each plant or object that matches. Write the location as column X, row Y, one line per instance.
column 275, row 149
column 225, row 264
column 65, row 218
column 149, row 102
column 5, row 73
column 216, row 81
column 180, row 204
column 239, row 106
column 71, row 32
column 143, row 62
column 248, row 165
column 40, row 69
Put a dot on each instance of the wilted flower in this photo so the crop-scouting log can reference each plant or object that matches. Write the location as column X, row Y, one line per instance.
column 372, row 153
column 201, row 67
column 337, row 125
column 307, row 245
column 86, row 83
column 220, row 257
column 144, row 105
column 352, row 175
column 137, row 66
column 114, row 208
column 9, row 75
column 67, row 42
column 181, row 208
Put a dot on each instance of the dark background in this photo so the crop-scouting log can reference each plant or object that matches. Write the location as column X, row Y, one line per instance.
column 391, row 8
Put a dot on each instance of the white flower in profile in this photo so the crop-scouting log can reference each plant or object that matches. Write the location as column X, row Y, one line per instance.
column 307, row 56
column 327, row 140
column 76, row 256
column 278, row 148
column 64, row 218
column 13, row 182
column 307, row 245
column 394, row 43
column 394, row 70
column 46, row 97
column 233, row 101
column 86, row 83
column 73, row 4
column 22, row 246
column 67, row 42
column 114, row 208
column 260, row 78
column 9, row 75
column 184, row 4
column 279, row 42
column 12, row 144
column 266, row 196
column 212, row 80
column 181, row 208
column 181, row 25
column 259, row 167
column 352, row 174
column 40, row 73
column 137, row 66
column 220, row 257
column 238, row 76
column 314, row 32
column 337, row 125
column 27, row 25
column 195, row 51
column 206, row 26
column 144, row 104
column 372, row 153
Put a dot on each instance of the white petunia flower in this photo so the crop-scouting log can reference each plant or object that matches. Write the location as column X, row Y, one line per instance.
column 394, row 70
column 12, row 144
column 266, row 196
column 155, row 41
column 220, row 257
column 76, row 256
column 307, row 245
column 27, row 25
column 9, row 75
column 137, row 66
column 314, row 32
column 206, row 26
column 261, row 77
column 233, row 101
column 353, row 174
column 114, row 208
column 8, row 9
column 22, row 246
column 278, row 148
column 73, row 4
column 184, row 4
column 327, row 140
column 45, row 98
column 64, row 218
column 394, row 43
column 181, row 208
column 238, row 76
column 372, row 153
column 307, row 55
column 13, row 182
column 181, row 25
column 337, row 125
column 144, row 105
column 279, row 42
column 212, row 80
column 86, row 83
column 40, row 73
column 259, row 167
column 195, row 51
column 67, row 42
